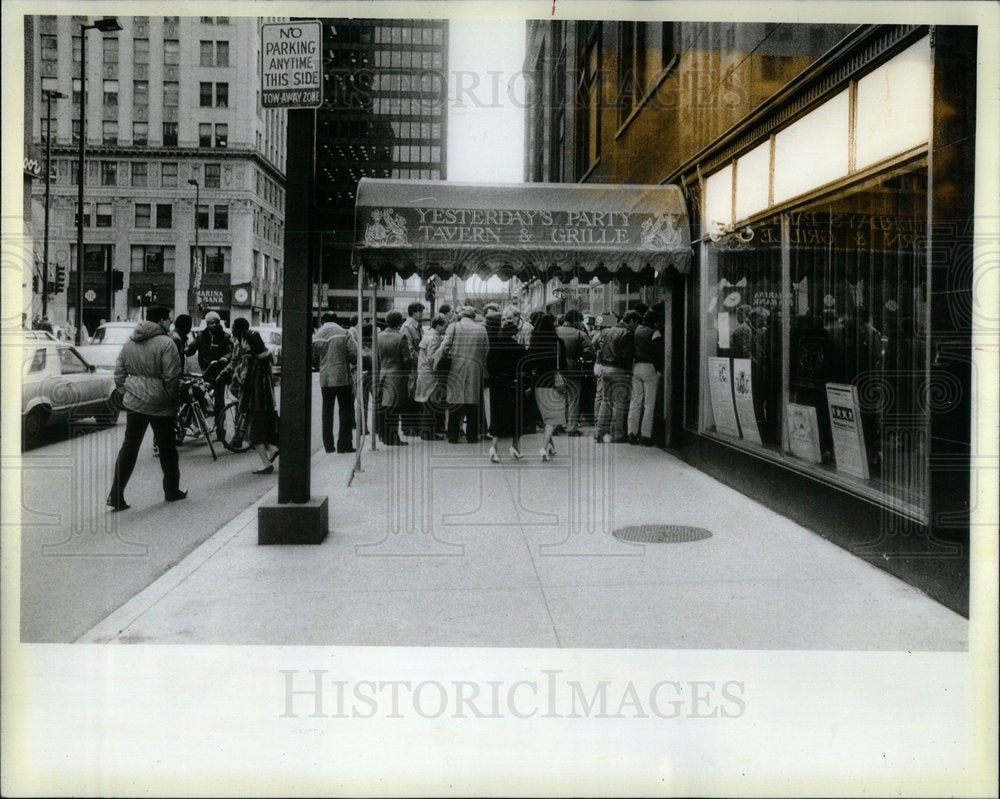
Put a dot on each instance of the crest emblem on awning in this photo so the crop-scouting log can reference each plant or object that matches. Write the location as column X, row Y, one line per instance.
column 659, row 233
column 387, row 229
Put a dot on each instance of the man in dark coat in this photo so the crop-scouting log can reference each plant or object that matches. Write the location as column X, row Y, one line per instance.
column 394, row 359
column 214, row 347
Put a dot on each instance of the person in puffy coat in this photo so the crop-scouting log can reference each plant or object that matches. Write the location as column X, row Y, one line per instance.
column 147, row 376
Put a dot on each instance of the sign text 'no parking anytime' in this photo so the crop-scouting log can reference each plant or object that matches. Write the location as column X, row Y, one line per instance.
column 291, row 64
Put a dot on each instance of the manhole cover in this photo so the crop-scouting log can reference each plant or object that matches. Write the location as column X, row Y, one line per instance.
column 661, row 534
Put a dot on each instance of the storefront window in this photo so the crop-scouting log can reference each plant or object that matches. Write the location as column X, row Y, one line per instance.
column 743, row 338
column 859, row 288
column 815, row 336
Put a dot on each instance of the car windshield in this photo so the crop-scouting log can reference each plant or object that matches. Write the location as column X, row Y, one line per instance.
column 112, row 335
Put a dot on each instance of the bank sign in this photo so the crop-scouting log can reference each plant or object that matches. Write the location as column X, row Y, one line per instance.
column 291, row 64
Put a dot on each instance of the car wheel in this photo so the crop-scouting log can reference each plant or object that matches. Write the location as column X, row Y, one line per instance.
column 31, row 428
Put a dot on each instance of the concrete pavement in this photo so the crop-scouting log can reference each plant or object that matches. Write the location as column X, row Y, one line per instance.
column 431, row 545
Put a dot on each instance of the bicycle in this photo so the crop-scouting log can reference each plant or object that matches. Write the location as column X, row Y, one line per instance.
column 233, row 425
column 195, row 398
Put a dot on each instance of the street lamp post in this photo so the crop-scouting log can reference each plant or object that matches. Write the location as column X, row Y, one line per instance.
column 106, row 25
column 49, row 94
column 196, row 271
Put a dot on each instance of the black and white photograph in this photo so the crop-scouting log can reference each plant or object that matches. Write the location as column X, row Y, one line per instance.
column 460, row 398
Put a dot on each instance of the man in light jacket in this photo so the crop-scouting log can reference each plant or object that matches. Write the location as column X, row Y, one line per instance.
column 147, row 374
column 337, row 351
column 466, row 343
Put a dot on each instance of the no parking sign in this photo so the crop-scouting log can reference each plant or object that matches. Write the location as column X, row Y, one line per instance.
column 291, row 64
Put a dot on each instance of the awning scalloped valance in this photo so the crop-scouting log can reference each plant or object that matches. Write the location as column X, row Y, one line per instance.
column 531, row 230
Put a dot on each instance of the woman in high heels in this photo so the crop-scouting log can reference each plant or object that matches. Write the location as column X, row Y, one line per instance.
column 544, row 362
column 506, row 394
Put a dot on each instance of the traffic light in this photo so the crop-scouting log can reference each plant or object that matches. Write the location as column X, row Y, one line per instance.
column 34, row 284
column 118, row 280
column 60, row 283
column 430, row 289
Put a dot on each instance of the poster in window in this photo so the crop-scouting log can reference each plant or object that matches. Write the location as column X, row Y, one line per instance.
column 743, row 392
column 721, row 391
column 848, row 437
column 803, row 432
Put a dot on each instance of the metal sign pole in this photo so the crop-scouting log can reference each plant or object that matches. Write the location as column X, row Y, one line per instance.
column 298, row 517
column 376, row 372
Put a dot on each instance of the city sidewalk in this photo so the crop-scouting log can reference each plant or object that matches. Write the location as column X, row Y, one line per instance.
column 432, row 545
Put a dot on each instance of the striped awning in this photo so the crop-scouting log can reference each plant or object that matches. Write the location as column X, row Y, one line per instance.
column 543, row 230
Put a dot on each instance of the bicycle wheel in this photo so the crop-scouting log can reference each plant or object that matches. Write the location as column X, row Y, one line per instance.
column 200, row 417
column 232, row 422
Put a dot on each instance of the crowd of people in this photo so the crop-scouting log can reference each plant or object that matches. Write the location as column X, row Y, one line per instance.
column 469, row 373
column 493, row 372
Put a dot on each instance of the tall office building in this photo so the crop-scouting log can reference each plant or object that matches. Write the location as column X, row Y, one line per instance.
column 384, row 116
column 179, row 155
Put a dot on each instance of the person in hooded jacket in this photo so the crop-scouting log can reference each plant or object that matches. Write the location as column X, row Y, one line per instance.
column 147, row 374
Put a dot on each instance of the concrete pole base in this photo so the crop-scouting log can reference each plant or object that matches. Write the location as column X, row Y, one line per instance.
column 294, row 523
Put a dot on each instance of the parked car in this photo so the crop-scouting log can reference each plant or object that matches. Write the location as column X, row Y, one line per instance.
column 106, row 343
column 58, row 385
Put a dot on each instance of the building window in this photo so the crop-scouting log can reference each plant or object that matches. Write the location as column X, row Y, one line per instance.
column 204, row 135
column 171, row 93
column 77, row 95
column 215, row 260
column 201, row 217
column 213, row 176
column 222, row 54
column 110, row 50
column 631, row 67
column 109, row 132
column 169, row 134
column 85, row 220
column 164, row 215
column 50, row 48
column 208, row 20
column 111, row 94
column 109, row 173
column 205, row 95
column 667, row 45
column 171, row 52
column 140, row 134
column 222, row 20
column 853, row 316
column 221, row 135
column 207, row 54
column 589, row 102
column 104, row 211
column 221, row 95
column 140, row 92
column 140, row 173
column 76, row 50
column 140, row 51
column 142, row 214
column 221, row 217
column 149, row 258
column 168, row 174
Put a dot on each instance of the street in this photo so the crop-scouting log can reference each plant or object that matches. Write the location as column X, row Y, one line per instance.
column 79, row 561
